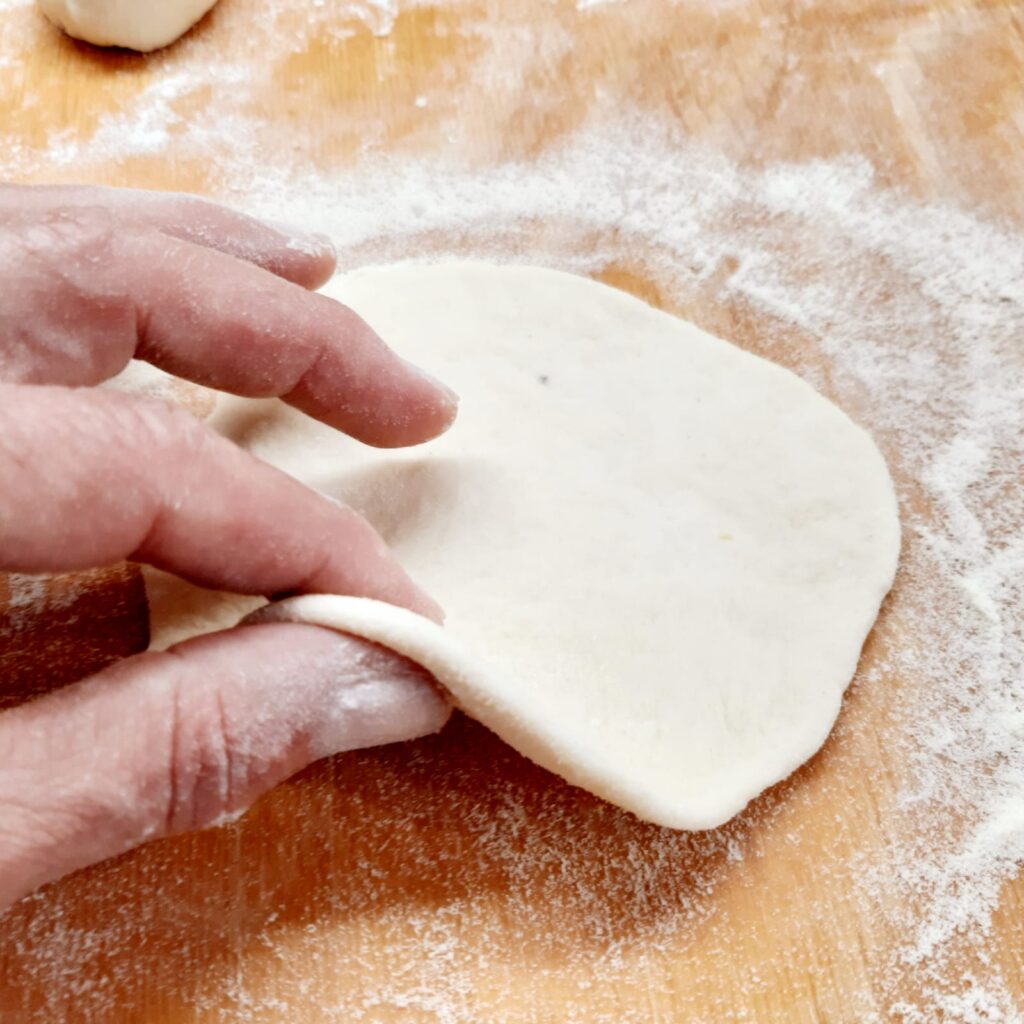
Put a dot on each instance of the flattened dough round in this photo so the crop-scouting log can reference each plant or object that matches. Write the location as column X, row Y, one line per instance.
column 659, row 555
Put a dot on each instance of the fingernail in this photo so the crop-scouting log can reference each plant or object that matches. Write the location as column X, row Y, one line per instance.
column 385, row 704
column 452, row 396
column 449, row 393
column 325, row 243
column 312, row 243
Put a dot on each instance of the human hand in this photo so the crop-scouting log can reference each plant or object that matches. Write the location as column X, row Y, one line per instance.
column 164, row 743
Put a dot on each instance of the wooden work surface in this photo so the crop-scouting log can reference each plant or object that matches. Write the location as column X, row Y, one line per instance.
column 450, row 880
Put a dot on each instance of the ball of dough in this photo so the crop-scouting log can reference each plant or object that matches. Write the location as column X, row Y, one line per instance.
column 142, row 25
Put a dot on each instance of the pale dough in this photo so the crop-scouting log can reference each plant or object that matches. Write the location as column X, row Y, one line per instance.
column 136, row 24
column 659, row 555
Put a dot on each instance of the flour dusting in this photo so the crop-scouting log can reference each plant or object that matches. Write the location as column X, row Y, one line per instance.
column 909, row 314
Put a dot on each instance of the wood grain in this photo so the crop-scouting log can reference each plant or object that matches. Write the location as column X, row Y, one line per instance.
column 523, row 899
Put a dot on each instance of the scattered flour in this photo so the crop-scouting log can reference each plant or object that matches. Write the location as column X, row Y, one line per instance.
column 910, row 314
column 29, row 598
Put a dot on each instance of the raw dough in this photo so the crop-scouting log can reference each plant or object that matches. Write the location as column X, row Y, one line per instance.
column 137, row 24
column 659, row 555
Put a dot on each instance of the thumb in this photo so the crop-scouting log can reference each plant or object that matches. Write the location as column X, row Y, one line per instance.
column 165, row 743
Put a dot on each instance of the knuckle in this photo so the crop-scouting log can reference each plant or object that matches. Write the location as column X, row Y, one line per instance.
column 85, row 331
column 69, row 232
column 155, row 424
column 205, row 778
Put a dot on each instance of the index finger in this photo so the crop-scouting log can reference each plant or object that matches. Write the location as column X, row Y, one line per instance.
column 223, row 323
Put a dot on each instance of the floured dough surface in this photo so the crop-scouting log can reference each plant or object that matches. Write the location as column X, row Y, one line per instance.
column 659, row 555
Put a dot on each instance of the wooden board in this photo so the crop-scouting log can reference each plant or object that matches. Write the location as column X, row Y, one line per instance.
column 450, row 880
